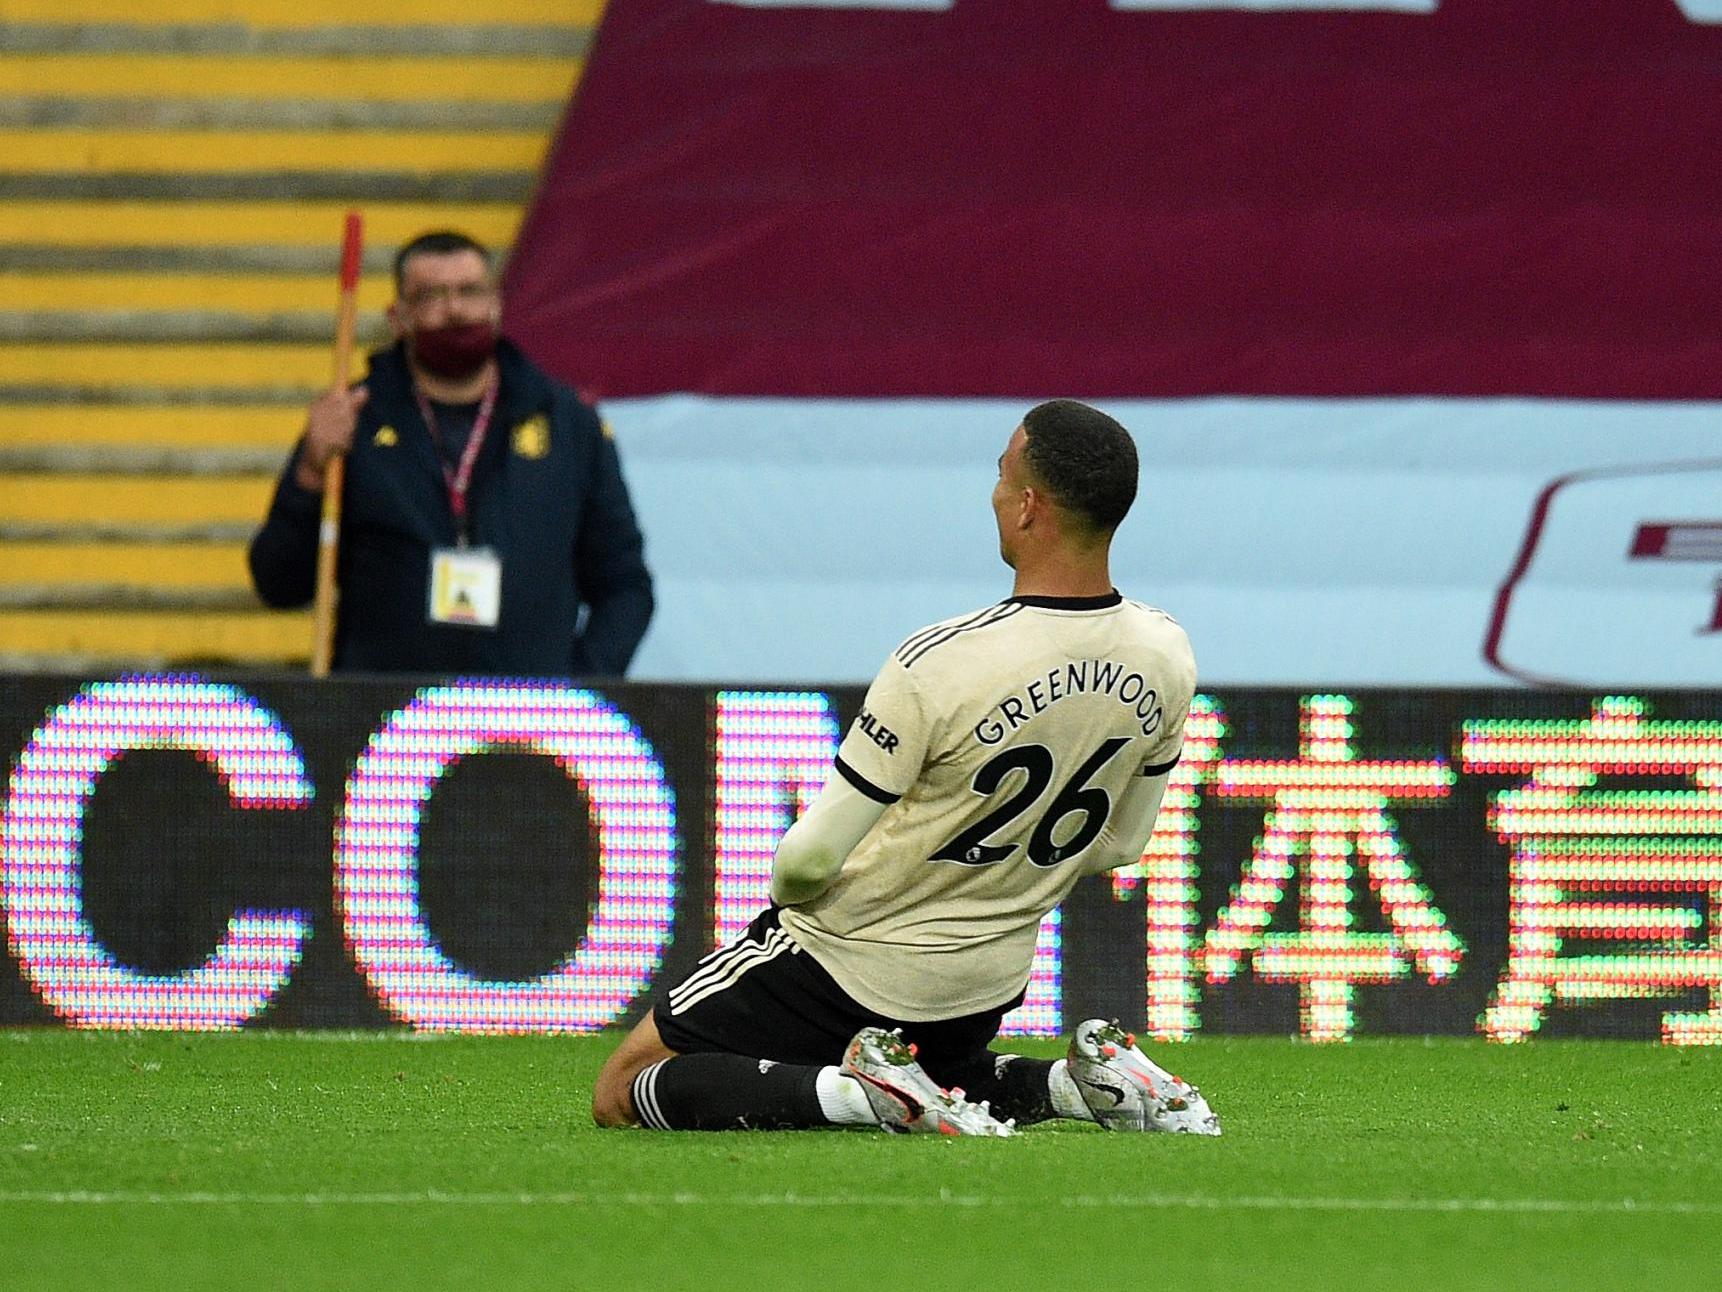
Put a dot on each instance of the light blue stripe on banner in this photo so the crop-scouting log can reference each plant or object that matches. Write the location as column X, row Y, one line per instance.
column 1301, row 542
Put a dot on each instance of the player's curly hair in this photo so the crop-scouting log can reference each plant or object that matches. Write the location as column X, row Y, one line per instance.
column 1086, row 460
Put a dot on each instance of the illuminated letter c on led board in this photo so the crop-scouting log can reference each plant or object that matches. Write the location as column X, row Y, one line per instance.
column 41, row 854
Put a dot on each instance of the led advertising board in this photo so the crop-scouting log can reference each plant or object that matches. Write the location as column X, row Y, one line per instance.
column 191, row 852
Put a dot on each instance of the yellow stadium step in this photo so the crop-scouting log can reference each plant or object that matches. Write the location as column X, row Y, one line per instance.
column 240, row 76
column 295, row 224
column 248, row 293
column 177, row 176
column 62, row 426
column 306, row 13
column 153, row 638
column 73, row 501
column 167, row 367
column 155, row 565
column 36, row 152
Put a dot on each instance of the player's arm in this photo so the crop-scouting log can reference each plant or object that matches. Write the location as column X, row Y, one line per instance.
column 877, row 763
column 1131, row 824
column 813, row 850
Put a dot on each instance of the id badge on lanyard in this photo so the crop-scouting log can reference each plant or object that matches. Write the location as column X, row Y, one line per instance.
column 465, row 587
column 465, row 581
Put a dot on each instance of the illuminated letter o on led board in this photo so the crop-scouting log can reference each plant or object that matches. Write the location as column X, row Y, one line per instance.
column 377, row 858
column 41, row 854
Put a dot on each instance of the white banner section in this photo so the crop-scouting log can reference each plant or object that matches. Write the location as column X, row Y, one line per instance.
column 1305, row 543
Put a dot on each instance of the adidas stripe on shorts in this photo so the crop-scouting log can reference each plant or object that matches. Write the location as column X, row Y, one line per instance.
column 764, row 997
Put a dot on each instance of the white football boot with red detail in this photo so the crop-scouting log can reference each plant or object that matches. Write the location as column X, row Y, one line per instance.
column 1127, row 1091
column 905, row 1098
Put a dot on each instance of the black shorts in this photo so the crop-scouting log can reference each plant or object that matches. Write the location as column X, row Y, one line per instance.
column 764, row 997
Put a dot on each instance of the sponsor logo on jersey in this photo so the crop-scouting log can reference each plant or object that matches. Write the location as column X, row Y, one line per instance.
column 877, row 732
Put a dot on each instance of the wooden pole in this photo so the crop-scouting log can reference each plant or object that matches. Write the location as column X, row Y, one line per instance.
column 335, row 474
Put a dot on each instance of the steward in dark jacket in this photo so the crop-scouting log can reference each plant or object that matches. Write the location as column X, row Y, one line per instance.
column 546, row 497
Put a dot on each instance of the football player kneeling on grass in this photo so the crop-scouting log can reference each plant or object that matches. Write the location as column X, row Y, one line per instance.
column 999, row 757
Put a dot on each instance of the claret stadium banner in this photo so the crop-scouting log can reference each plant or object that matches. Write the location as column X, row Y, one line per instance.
column 1411, row 305
column 1142, row 198
column 179, row 851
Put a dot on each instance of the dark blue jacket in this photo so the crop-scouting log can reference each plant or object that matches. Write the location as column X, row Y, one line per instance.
column 546, row 493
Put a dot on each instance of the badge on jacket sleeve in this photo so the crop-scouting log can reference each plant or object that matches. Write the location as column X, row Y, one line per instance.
column 532, row 437
column 465, row 587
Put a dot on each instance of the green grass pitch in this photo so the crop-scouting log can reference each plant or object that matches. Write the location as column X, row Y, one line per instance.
column 355, row 1162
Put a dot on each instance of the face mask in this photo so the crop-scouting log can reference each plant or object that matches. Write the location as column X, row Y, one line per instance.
column 455, row 352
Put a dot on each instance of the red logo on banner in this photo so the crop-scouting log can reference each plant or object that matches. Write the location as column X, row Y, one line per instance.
column 1685, row 541
column 1599, row 594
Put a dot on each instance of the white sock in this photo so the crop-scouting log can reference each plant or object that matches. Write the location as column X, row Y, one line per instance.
column 843, row 1101
column 1067, row 1100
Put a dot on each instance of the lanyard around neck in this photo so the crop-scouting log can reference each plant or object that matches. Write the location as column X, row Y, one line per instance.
column 459, row 477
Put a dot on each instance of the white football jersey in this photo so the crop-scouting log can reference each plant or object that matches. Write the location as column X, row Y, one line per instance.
column 1003, row 740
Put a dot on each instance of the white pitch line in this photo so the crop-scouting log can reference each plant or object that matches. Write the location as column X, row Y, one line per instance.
column 944, row 1198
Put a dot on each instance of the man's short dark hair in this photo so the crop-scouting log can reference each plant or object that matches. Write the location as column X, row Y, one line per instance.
column 1086, row 460
column 441, row 242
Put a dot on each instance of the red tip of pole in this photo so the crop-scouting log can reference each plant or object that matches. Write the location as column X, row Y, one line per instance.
column 352, row 243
